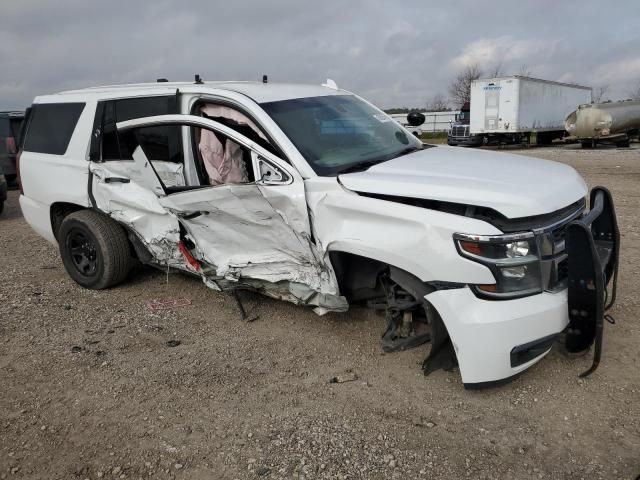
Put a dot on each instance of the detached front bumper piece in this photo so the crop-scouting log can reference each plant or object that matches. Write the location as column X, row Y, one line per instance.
column 593, row 247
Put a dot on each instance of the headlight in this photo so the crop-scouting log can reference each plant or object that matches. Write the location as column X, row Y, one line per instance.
column 513, row 260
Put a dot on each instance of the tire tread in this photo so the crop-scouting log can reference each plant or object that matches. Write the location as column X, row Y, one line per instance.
column 112, row 241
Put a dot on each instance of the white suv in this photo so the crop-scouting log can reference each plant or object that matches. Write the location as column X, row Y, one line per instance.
column 312, row 195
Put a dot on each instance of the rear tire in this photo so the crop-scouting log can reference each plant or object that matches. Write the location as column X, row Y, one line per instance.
column 94, row 249
column 1, row 206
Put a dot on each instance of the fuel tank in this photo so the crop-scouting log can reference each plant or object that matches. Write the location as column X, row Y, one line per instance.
column 602, row 120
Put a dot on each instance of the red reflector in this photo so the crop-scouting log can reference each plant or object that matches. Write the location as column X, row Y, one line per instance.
column 471, row 247
column 489, row 288
column 18, row 179
column 190, row 258
column 10, row 144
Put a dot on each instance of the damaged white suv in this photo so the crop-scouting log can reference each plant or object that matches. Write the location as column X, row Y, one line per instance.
column 312, row 195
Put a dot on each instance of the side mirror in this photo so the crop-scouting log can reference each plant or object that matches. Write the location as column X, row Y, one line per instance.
column 415, row 119
column 270, row 174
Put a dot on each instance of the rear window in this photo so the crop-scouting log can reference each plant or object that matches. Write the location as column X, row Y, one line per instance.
column 15, row 124
column 4, row 133
column 5, row 127
column 51, row 126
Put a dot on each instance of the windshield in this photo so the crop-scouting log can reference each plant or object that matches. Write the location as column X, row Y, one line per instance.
column 338, row 132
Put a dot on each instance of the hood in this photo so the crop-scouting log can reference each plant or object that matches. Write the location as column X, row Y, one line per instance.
column 514, row 185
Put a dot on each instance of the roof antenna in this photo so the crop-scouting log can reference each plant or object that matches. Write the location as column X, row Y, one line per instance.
column 161, row 80
column 330, row 84
column 198, row 80
column 265, row 79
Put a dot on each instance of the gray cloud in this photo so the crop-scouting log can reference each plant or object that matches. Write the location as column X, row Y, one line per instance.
column 395, row 53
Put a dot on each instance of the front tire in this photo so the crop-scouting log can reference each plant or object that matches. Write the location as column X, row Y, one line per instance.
column 94, row 249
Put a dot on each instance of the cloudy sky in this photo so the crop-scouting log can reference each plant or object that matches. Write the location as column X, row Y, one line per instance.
column 397, row 53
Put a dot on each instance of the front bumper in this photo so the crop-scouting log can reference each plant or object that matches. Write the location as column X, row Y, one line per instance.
column 472, row 141
column 495, row 340
column 8, row 164
column 484, row 332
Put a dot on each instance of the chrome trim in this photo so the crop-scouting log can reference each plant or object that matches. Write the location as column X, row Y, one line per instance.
column 579, row 211
column 508, row 237
column 550, row 246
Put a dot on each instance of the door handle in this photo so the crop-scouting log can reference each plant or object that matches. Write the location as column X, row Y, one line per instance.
column 116, row 180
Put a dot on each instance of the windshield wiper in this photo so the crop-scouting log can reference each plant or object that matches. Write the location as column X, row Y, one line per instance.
column 359, row 167
column 407, row 151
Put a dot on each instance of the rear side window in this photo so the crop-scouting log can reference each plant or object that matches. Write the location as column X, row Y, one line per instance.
column 160, row 143
column 51, row 126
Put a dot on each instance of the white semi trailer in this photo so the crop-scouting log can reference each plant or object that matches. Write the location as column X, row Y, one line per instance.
column 510, row 109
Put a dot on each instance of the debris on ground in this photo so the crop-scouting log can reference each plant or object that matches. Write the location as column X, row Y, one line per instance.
column 347, row 377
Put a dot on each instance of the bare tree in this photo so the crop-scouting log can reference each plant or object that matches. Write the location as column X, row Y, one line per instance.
column 460, row 87
column 599, row 92
column 524, row 71
column 496, row 71
column 438, row 103
column 634, row 92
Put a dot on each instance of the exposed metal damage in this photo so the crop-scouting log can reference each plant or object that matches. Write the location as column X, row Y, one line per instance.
column 238, row 238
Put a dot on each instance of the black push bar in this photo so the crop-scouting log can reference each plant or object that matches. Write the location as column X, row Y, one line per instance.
column 592, row 246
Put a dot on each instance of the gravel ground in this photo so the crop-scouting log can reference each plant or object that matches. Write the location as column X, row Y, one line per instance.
column 92, row 386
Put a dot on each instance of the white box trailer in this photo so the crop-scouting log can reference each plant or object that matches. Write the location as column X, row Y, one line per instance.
column 511, row 108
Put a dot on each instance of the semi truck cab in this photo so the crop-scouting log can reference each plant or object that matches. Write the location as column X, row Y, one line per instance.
column 459, row 133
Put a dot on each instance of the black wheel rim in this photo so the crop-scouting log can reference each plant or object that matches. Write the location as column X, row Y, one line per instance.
column 82, row 250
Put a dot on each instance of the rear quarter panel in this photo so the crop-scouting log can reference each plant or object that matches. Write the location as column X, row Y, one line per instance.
column 48, row 179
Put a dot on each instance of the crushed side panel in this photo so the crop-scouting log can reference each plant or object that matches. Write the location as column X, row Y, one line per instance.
column 249, row 242
column 139, row 209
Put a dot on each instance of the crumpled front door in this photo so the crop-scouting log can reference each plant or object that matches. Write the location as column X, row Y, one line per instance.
column 248, row 242
column 254, row 235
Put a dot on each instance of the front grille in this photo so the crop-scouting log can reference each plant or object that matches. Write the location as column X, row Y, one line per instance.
column 460, row 131
column 559, row 234
column 553, row 258
column 563, row 270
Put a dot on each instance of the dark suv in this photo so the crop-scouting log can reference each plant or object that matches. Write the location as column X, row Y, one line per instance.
column 10, row 123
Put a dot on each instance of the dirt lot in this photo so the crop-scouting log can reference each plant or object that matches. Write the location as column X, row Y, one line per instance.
column 90, row 388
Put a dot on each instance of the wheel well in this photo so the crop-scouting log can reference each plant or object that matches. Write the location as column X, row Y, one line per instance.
column 359, row 279
column 58, row 211
column 357, row 276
